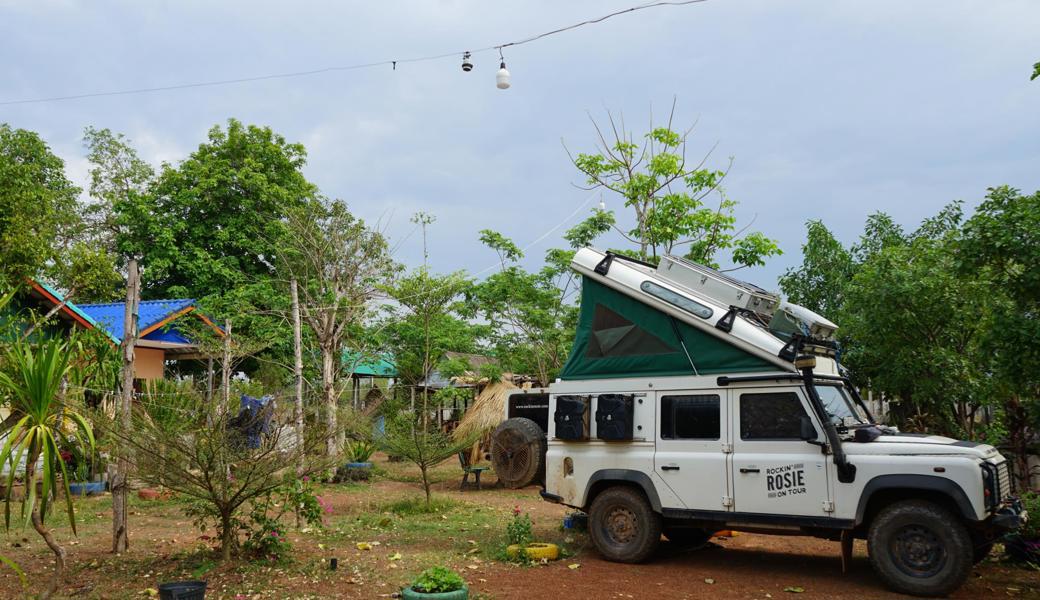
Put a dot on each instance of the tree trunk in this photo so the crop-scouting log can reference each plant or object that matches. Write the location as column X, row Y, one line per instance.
column 1018, row 438
column 328, row 386
column 298, row 374
column 426, row 485
column 120, row 480
column 59, row 552
column 227, row 537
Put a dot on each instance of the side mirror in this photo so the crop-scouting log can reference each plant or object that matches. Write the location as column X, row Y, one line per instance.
column 808, row 432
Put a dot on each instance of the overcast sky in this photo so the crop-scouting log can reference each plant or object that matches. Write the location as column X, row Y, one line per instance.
column 831, row 110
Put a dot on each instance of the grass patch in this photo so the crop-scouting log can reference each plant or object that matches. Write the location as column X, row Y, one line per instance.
column 417, row 506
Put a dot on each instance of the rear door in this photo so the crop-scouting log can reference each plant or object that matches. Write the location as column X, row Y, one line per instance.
column 691, row 436
column 775, row 471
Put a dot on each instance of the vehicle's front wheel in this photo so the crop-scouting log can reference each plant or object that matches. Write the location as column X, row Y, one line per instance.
column 623, row 525
column 920, row 548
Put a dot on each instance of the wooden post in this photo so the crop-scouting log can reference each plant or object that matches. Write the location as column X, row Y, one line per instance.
column 209, row 391
column 225, row 367
column 120, row 480
column 298, row 368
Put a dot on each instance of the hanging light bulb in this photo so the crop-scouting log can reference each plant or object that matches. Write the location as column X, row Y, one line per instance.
column 467, row 64
column 503, row 77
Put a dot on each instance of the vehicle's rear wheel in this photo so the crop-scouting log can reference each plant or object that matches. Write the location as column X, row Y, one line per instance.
column 687, row 537
column 920, row 548
column 623, row 525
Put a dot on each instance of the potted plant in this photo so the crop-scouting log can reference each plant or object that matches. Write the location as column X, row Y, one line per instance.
column 521, row 544
column 437, row 583
column 1024, row 544
column 359, row 453
column 83, row 486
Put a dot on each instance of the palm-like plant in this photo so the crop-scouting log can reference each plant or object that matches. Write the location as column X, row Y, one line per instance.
column 31, row 381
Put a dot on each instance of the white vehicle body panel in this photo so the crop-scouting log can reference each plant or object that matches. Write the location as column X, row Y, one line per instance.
column 709, row 475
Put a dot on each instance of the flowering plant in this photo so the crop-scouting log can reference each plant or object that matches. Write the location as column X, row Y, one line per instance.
column 518, row 530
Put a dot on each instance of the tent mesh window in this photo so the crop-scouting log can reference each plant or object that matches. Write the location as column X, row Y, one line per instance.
column 614, row 335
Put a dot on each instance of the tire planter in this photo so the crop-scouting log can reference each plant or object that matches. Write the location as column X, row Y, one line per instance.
column 358, row 471
column 86, row 488
column 410, row 594
column 535, row 551
column 182, row 590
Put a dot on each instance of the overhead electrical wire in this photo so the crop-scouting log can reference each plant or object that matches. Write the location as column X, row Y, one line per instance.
column 368, row 65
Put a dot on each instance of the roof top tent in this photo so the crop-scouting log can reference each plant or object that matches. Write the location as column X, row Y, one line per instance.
column 682, row 318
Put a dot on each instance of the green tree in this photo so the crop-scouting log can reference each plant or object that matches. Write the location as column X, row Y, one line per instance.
column 1001, row 243
column 214, row 227
column 532, row 315
column 914, row 327
column 120, row 186
column 427, row 322
column 670, row 198
column 217, row 220
column 827, row 267
column 37, row 205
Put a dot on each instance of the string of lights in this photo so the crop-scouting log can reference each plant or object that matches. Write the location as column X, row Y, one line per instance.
column 502, row 77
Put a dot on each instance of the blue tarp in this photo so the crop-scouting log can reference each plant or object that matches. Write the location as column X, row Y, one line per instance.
column 254, row 419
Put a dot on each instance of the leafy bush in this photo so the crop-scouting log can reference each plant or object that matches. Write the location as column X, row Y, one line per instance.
column 265, row 533
column 518, row 530
column 1031, row 503
column 360, row 451
column 438, row 580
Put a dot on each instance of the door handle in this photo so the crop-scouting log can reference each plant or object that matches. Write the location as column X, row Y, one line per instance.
column 745, row 470
column 669, row 467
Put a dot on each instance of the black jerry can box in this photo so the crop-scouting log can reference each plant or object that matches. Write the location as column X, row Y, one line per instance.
column 572, row 418
column 614, row 416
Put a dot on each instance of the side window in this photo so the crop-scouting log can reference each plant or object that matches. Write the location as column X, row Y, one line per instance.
column 775, row 416
column 690, row 417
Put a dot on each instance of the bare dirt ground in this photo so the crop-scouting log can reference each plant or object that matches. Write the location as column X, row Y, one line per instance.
column 467, row 533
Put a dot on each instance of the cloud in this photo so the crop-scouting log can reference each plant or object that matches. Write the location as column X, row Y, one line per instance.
column 831, row 110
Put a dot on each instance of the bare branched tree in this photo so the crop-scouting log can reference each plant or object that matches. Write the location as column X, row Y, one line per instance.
column 340, row 265
column 222, row 462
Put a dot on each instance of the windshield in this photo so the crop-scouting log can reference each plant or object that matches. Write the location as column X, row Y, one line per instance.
column 841, row 408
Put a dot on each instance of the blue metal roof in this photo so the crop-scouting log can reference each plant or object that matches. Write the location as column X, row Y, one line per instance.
column 76, row 308
column 110, row 316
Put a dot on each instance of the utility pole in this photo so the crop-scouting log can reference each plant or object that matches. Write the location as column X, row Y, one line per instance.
column 298, row 367
column 120, row 483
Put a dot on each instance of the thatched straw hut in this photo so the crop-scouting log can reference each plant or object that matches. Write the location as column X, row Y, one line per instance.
column 484, row 415
column 486, row 412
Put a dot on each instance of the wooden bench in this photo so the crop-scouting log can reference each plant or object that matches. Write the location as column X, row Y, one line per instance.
column 467, row 469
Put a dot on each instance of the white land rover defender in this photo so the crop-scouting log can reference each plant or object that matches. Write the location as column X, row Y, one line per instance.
column 693, row 402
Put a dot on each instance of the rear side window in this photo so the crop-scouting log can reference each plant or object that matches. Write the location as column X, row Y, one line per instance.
column 775, row 416
column 690, row 417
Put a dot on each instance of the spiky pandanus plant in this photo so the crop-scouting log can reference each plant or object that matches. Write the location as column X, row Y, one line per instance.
column 30, row 382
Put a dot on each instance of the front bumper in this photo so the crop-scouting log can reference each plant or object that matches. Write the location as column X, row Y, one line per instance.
column 1009, row 517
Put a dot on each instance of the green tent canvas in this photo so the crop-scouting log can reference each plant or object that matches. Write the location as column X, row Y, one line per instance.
column 619, row 336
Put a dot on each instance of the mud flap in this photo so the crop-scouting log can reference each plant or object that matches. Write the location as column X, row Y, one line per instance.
column 846, row 550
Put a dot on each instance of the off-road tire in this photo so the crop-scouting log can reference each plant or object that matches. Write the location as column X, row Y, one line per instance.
column 920, row 548
column 518, row 452
column 623, row 525
column 687, row 537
